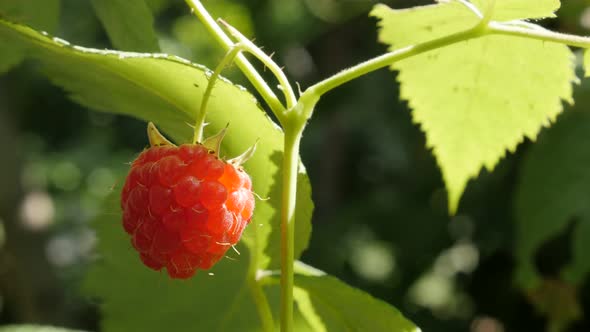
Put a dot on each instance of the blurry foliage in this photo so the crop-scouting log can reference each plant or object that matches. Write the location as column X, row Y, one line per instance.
column 129, row 24
column 44, row 17
column 380, row 200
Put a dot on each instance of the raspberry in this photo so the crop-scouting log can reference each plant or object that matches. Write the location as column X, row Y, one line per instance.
column 184, row 207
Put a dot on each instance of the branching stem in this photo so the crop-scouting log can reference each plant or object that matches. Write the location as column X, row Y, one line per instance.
column 487, row 15
column 266, row 60
column 245, row 66
column 388, row 59
column 491, row 28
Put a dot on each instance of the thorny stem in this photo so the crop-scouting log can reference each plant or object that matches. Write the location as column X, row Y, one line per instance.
column 292, row 141
column 387, row 59
column 539, row 34
column 249, row 71
column 266, row 60
column 490, row 28
column 227, row 59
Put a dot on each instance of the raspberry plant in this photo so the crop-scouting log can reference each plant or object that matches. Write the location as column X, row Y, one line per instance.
column 509, row 79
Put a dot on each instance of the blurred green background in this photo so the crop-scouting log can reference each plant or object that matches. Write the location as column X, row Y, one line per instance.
column 380, row 222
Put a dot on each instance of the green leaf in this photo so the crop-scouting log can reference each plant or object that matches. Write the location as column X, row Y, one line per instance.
column 507, row 10
column 325, row 304
column 558, row 301
column 167, row 90
column 579, row 268
column 474, row 99
column 139, row 299
column 554, row 187
column 157, row 6
column 43, row 15
column 129, row 24
column 586, row 63
column 34, row 328
column 9, row 56
column 328, row 304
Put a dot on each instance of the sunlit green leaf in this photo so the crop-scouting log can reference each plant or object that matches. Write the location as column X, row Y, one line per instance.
column 475, row 100
column 328, row 304
column 507, row 10
column 129, row 24
column 325, row 304
column 554, row 188
column 42, row 15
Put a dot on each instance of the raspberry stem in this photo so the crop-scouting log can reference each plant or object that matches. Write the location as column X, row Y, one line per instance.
column 200, row 121
column 293, row 132
column 266, row 60
column 245, row 66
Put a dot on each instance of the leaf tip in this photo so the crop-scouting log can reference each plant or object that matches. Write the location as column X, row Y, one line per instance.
column 453, row 202
column 455, row 190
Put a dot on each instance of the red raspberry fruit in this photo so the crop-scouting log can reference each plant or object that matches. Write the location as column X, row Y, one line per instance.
column 184, row 207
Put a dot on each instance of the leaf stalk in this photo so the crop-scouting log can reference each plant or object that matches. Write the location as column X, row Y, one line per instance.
column 266, row 60
column 200, row 121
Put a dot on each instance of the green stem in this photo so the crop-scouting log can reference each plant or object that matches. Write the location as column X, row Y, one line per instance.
column 292, row 139
column 245, row 66
column 487, row 16
column 262, row 306
column 387, row 59
column 200, row 121
column 490, row 28
column 472, row 8
column 267, row 61
column 539, row 34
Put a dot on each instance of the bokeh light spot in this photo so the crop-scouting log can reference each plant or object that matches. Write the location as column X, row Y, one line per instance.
column 37, row 210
